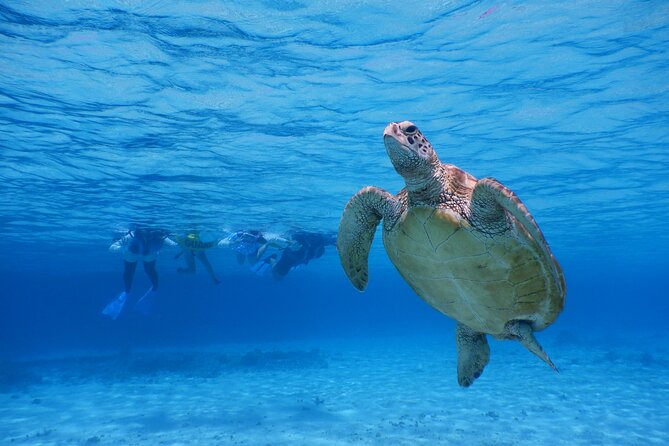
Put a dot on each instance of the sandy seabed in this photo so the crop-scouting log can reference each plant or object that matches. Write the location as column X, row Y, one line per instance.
column 374, row 392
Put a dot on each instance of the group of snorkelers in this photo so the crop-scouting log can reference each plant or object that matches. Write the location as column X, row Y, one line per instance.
column 265, row 253
column 275, row 254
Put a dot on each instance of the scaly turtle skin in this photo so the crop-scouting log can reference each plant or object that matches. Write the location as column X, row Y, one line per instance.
column 468, row 247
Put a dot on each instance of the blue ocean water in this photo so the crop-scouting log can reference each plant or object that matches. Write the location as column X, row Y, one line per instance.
column 221, row 116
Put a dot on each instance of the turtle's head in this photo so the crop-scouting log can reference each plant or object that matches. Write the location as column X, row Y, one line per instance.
column 411, row 154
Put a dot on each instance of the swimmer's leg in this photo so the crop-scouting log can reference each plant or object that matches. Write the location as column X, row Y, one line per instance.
column 202, row 257
column 190, row 263
column 150, row 269
column 128, row 274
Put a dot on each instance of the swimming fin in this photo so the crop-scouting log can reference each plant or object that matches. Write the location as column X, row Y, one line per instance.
column 145, row 304
column 114, row 308
column 261, row 268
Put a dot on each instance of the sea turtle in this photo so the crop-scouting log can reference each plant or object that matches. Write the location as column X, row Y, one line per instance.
column 468, row 247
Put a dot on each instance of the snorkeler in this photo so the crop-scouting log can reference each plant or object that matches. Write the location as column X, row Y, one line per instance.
column 252, row 246
column 305, row 247
column 138, row 244
column 193, row 245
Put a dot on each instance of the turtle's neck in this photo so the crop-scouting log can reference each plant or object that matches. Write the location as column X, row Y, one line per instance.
column 426, row 187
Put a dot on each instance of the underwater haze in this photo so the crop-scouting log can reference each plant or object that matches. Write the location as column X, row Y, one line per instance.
column 222, row 116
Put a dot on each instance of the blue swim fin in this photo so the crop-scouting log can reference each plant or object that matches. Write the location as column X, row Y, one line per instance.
column 114, row 308
column 261, row 268
column 145, row 304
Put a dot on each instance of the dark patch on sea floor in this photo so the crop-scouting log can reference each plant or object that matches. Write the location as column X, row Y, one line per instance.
column 20, row 375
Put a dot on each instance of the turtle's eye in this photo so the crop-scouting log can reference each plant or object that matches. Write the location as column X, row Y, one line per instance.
column 411, row 130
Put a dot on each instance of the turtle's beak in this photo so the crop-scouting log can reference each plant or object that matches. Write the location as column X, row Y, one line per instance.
column 393, row 130
column 394, row 138
column 398, row 149
column 394, row 148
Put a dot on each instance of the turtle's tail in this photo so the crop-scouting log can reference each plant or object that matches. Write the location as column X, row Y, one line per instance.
column 522, row 331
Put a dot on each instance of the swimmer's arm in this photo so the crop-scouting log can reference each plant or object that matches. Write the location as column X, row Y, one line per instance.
column 119, row 243
column 169, row 242
column 279, row 242
column 228, row 240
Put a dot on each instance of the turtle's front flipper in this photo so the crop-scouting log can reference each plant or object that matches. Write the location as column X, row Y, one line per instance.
column 361, row 216
column 473, row 354
column 490, row 200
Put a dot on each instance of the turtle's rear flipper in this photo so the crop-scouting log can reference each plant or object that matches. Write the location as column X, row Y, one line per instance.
column 473, row 354
column 522, row 331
